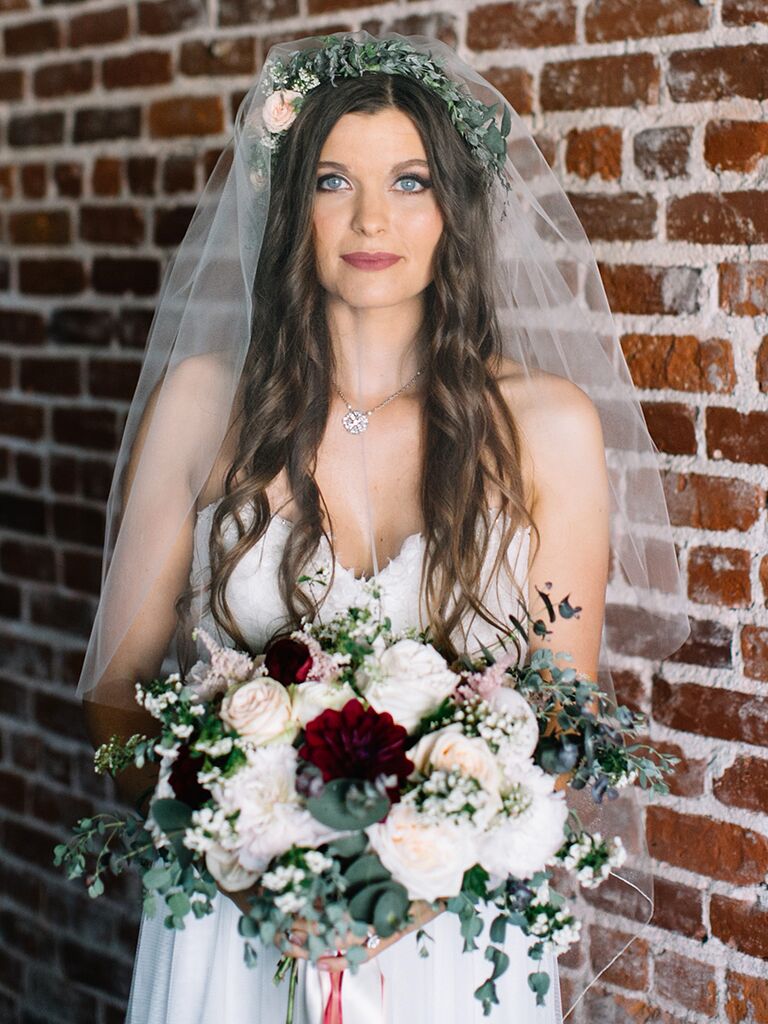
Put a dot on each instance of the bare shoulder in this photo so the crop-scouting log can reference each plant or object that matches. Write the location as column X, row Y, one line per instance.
column 559, row 425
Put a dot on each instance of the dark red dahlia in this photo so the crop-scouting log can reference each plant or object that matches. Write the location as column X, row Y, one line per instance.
column 183, row 779
column 288, row 660
column 357, row 743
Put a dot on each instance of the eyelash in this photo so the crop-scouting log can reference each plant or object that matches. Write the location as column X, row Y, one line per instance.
column 424, row 182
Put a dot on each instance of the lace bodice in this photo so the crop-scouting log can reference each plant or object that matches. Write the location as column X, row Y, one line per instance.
column 253, row 591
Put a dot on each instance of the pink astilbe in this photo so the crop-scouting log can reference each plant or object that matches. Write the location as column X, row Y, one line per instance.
column 324, row 668
column 227, row 666
column 484, row 684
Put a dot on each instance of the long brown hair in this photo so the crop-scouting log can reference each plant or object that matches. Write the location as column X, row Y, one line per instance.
column 470, row 435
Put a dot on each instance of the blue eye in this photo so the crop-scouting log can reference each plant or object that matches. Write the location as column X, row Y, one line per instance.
column 423, row 182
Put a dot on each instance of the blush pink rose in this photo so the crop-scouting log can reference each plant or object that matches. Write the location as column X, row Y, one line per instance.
column 278, row 110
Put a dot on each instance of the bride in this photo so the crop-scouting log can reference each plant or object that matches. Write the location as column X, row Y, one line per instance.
column 377, row 426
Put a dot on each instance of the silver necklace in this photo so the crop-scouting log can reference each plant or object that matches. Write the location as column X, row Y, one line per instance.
column 355, row 420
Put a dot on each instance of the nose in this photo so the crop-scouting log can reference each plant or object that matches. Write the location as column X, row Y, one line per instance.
column 371, row 215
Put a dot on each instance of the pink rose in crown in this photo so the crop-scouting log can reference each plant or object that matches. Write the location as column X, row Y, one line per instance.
column 278, row 112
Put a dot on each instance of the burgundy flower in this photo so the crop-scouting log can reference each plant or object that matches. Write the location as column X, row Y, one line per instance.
column 288, row 660
column 183, row 779
column 357, row 743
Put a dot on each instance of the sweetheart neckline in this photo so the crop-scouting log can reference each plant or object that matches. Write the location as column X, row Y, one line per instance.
column 349, row 572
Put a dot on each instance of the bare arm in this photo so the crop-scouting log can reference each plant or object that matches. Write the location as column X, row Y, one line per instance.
column 571, row 505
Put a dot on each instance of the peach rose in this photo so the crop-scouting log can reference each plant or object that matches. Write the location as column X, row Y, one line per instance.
column 278, row 111
column 260, row 710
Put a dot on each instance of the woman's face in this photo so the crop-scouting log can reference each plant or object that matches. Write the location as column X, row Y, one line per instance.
column 373, row 194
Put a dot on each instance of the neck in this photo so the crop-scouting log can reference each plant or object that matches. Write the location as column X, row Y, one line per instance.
column 375, row 349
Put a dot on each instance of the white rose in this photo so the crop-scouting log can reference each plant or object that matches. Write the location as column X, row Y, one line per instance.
column 278, row 112
column 429, row 858
column 449, row 748
column 227, row 869
column 522, row 743
column 271, row 817
column 260, row 710
column 311, row 698
column 522, row 843
column 408, row 679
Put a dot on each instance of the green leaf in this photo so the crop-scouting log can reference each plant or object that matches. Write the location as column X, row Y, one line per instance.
column 349, row 846
column 361, row 905
column 157, row 878
column 367, row 869
column 348, row 804
column 179, row 904
column 96, row 888
column 171, row 815
column 390, row 910
column 539, row 983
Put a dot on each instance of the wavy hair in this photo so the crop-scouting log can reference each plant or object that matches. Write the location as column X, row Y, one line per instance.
column 470, row 434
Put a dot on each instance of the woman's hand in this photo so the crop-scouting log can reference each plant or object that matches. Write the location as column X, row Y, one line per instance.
column 420, row 910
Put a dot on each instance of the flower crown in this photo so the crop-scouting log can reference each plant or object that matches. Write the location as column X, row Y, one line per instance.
column 344, row 58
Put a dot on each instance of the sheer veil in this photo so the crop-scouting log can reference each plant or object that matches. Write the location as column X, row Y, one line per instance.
column 554, row 317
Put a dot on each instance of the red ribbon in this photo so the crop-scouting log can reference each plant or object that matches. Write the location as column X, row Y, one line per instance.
column 332, row 1013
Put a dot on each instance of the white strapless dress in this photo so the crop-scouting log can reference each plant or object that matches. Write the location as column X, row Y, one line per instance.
column 198, row 975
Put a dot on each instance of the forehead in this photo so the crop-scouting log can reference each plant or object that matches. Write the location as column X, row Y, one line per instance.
column 373, row 140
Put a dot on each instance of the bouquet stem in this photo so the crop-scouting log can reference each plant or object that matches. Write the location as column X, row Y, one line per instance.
column 292, row 989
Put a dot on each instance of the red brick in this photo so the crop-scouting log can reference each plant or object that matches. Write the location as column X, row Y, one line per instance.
column 18, row 419
column 629, row 215
column 234, row 56
column 724, row 218
column 28, row 561
column 720, row 576
column 113, row 378
column 106, row 177
column 49, row 375
column 687, row 777
column 102, row 124
column 34, row 176
column 744, row 287
column 524, row 25
column 763, row 571
column 744, row 784
column 515, row 84
column 41, row 227
column 594, row 151
column 663, row 153
column 711, row 711
column 650, row 290
column 32, row 37
column 746, row 997
column 735, row 145
column 608, row 20
column 680, row 362
column 112, row 225
column 36, row 129
column 712, row 502
column 69, row 78
column 622, row 80
column 159, row 17
column 115, row 275
column 740, row 925
column 716, row 849
column 51, row 276
column 761, row 364
column 185, row 116
column 68, row 178
column 11, row 88
column 718, row 72
column 678, row 908
column 631, row 969
column 137, row 70
column 754, row 650
column 97, row 28
column 744, row 12
column 740, row 437
column 686, row 982
column 672, row 426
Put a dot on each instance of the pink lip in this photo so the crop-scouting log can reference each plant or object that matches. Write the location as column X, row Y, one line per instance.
column 370, row 261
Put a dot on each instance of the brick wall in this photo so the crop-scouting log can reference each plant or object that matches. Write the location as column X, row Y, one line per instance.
column 110, row 119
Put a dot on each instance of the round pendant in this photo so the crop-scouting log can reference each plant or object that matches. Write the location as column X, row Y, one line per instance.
column 355, row 421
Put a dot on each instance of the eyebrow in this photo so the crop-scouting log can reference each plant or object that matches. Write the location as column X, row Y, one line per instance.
column 397, row 167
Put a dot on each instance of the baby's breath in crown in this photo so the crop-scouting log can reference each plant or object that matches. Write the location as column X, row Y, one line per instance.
column 341, row 57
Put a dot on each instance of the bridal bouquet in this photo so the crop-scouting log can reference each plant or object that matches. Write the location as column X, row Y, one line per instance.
column 350, row 770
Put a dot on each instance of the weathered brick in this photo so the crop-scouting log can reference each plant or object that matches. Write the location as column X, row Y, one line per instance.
column 678, row 908
column 185, row 116
column 718, row 72
column 594, row 151
column 746, row 997
column 650, row 290
column 686, row 982
column 616, row 81
column 630, row 216
column 607, row 20
column 631, row 969
column 525, row 24
column 680, row 362
column 744, row 287
column 137, row 70
column 69, row 78
column 720, row 576
column 744, row 784
column 97, row 28
column 754, row 650
column 740, row 437
column 742, row 925
column 716, row 849
column 712, row 502
column 724, row 218
column 672, row 426
column 708, row 711
column 735, row 145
